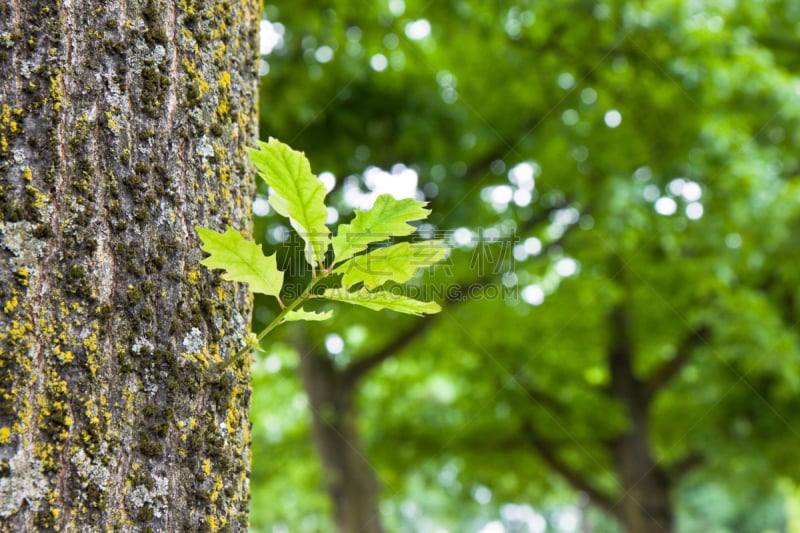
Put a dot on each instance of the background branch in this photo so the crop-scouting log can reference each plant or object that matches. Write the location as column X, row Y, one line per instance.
column 357, row 369
column 571, row 475
column 661, row 377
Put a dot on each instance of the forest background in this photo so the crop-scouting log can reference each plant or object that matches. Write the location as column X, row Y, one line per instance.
column 618, row 346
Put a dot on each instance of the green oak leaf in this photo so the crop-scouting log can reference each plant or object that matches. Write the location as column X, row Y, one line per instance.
column 388, row 217
column 279, row 205
column 300, row 194
column 301, row 314
column 398, row 262
column 382, row 300
column 242, row 260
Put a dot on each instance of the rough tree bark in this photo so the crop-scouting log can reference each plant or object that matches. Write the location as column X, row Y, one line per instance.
column 351, row 481
column 122, row 125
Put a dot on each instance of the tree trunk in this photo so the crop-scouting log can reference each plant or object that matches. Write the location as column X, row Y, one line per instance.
column 351, row 482
column 123, row 124
column 645, row 506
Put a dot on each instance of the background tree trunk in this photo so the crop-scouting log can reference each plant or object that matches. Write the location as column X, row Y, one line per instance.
column 351, row 481
column 123, row 124
column 645, row 506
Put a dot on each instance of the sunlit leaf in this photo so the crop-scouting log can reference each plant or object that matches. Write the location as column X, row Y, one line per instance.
column 242, row 260
column 387, row 218
column 279, row 204
column 300, row 195
column 379, row 300
column 311, row 316
column 398, row 262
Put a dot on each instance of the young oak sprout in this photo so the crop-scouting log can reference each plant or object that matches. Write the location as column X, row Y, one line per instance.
column 299, row 195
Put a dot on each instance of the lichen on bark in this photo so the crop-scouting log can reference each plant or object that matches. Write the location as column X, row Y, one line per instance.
column 122, row 125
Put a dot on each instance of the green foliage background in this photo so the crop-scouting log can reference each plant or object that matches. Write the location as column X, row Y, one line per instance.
column 708, row 95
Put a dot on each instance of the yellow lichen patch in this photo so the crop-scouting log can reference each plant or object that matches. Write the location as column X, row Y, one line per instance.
column 11, row 304
column 196, row 76
column 23, row 422
column 5, row 435
column 36, row 199
column 193, row 277
column 91, row 413
column 213, row 350
column 218, row 486
column 243, row 474
column 225, row 174
column 28, row 173
column 232, row 417
column 225, row 80
column 56, row 384
column 65, row 356
column 221, row 294
column 90, row 343
column 188, row 7
column 219, row 55
column 206, row 465
column 110, row 122
column 55, row 91
column 220, row 150
column 44, row 452
column 203, row 86
column 200, row 358
column 17, row 331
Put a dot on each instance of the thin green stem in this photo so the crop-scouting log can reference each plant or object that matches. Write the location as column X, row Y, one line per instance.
column 277, row 321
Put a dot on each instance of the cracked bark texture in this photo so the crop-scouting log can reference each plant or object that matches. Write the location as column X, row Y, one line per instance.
column 123, row 125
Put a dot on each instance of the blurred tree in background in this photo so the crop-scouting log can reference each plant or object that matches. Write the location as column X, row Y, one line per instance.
column 618, row 348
